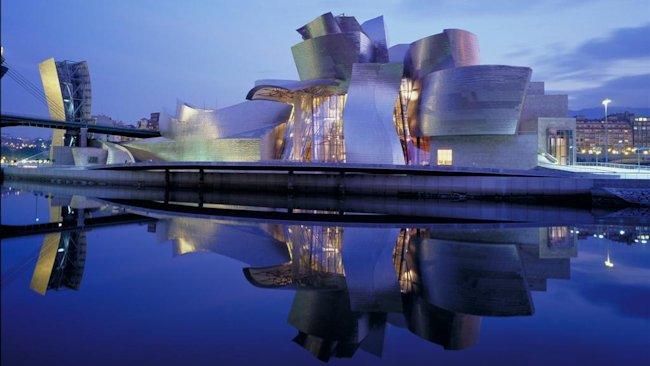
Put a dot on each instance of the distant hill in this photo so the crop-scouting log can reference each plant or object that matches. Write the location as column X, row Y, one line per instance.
column 600, row 112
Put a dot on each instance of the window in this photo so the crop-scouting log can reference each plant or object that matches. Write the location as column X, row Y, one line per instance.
column 444, row 157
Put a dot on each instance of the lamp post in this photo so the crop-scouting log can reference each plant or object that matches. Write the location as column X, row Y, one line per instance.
column 605, row 103
column 638, row 156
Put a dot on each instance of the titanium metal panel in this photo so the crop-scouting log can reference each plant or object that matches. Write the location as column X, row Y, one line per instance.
column 227, row 122
column 323, row 25
column 331, row 56
column 397, row 53
column 452, row 48
column 348, row 24
column 473, row 100
column 376, row 31
column 368, row 128
column 197, row 149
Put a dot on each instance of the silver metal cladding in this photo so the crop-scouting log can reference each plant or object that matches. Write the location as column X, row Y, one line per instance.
column 369, row 130
column 472, row 100
column 451, row 48
column 331, row 56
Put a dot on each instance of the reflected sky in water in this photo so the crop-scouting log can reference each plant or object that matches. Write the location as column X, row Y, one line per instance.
column 184, row 289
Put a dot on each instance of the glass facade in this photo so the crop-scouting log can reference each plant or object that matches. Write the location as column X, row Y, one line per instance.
column 315, row 129
column 444, row 157
column 416, row 149
column 327, row 125
column 560, row 145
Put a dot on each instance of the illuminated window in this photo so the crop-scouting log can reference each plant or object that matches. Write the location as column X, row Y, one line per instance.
column 444, row 157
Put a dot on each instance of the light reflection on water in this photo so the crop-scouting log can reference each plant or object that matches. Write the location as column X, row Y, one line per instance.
column 367, row 291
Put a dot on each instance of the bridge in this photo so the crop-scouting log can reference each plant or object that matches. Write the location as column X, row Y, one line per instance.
column 13, row 120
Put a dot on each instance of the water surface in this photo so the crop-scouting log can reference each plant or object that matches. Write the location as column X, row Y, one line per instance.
column 197, row 287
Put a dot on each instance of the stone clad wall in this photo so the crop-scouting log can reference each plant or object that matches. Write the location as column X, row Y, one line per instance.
column 496, row 152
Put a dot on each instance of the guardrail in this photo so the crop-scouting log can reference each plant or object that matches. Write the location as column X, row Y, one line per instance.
column 617, row 166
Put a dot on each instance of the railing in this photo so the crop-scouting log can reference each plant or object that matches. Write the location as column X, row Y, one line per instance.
column 617, row 166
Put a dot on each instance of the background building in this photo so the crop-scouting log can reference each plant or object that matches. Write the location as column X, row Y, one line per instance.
column 626, row 133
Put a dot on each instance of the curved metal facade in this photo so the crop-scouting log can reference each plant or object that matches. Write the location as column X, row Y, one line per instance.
column 451, row 48
column 323, row 25
column 369, row 130
column 359, row 101
column 251, row 118
column 375, row 30
column 244, row 132
column 473, row 100
column 331, row 56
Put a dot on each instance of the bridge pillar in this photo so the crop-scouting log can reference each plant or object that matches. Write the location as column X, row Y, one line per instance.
column 83, row 137
column 71, row 138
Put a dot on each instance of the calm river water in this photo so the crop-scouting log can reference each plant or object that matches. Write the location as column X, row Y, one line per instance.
column 140, row 282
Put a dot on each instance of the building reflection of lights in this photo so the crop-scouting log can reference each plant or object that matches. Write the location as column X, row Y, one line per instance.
column 608, row 262
column 36, row 208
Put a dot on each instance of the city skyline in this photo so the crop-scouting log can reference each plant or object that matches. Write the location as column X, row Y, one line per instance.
column 190, row 61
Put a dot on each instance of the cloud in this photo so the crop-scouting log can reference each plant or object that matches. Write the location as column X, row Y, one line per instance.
column 630, row 91
column 615, row 65
column 628, row 301
column 488, row 8
column 622, row 44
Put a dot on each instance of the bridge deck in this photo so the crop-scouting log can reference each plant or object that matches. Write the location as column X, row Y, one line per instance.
column 10, row 121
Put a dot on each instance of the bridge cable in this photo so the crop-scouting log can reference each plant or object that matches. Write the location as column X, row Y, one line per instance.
column 32, row 89
column 27, row 82
column 38, row 94
column 35, row 93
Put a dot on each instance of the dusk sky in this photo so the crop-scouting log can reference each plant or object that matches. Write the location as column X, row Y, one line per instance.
column 144, row 56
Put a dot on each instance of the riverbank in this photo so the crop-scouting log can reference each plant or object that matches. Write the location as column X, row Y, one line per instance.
column 353, row 179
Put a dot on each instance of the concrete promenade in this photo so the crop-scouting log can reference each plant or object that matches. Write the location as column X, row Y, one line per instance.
column 350, row 179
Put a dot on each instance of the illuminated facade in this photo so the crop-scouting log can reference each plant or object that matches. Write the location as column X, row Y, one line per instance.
column 430, row 102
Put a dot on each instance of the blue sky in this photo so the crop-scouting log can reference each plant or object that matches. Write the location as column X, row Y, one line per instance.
column 145, row 55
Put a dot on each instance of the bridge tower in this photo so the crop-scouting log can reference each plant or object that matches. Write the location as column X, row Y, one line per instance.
column 68, row 93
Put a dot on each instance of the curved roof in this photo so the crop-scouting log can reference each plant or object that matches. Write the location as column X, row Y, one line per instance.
column 285, row 90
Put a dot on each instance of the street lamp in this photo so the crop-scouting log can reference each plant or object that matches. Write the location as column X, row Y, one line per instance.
column 638, row 155
column 605, row 103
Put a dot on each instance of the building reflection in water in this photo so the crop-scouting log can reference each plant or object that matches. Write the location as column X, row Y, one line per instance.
column 351, row 282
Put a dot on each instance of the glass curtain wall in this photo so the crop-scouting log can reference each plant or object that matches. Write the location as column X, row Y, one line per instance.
column 315, row 129
column 327, row 124
column 560, row 146
column 415, row 149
